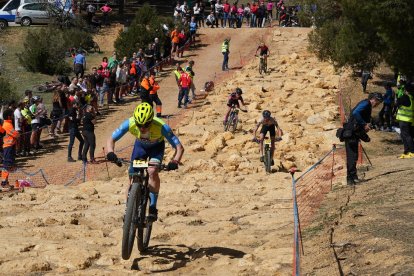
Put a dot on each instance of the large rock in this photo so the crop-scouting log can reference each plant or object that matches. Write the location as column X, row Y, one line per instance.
column 216, row 144
column 316, row 119
column 291, row 85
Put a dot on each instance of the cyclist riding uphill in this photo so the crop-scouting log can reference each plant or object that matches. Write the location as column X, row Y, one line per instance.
column 264, row 51
column 235, row 99
column 269, row 124
column 150, row 132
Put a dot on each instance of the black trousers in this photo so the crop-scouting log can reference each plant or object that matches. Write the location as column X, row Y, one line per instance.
column 406, row 137
column 385, row 115
column 351, row 147
column 90, row 144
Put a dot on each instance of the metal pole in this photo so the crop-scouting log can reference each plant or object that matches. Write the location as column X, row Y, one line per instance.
column 333, row 164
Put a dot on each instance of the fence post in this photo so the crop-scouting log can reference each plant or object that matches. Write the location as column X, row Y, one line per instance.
column 296, row 255
column 333, row 164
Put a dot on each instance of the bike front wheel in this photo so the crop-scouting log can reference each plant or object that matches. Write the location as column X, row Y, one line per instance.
column 144, row 225
column 130, row 221
column 268, row 161
column 234, row 126
column 261, row 66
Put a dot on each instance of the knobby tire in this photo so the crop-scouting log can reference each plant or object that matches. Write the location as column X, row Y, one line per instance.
column 144, row 227
column 268, row 161
column 130, row 225
column 261, row 66
column 234, row 125
column 229, row 122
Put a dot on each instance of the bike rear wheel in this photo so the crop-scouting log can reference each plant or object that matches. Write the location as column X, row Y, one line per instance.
column 234, row 125
column 130, row 221
column 264, row 66
column 144, row 226
column 229, row 122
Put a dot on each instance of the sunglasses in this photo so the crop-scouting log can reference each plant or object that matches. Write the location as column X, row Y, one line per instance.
column 146, row 125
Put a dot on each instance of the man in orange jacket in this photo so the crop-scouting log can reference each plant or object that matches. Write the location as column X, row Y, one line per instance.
column 153, row 96
column 9, row 150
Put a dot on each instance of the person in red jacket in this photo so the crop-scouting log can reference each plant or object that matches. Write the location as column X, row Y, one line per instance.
column 9, row 150
column 185, row 84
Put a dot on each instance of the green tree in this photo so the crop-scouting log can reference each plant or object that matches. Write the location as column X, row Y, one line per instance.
column 361, row 34
column 146, row 26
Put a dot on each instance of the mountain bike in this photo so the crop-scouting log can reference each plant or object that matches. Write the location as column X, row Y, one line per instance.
column 262, row 65
column 232, row 120
column 267, row 153
column 136, row 215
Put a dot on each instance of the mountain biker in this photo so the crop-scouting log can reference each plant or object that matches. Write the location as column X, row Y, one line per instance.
column 269, row 124
column 150, row 132
column 264, row 51
column 235, row 99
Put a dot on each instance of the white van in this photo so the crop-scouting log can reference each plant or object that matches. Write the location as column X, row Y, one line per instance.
column 8, row 11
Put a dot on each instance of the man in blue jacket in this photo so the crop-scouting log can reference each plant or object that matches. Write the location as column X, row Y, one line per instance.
column 359, row 120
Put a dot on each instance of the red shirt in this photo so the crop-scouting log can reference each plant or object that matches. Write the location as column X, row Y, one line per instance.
column 226, row 7
column 185, row 80
column 254, row 9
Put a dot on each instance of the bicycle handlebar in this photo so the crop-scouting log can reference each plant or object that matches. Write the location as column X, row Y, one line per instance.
column 120, row 161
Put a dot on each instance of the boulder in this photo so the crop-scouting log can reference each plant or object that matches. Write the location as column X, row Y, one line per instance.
column 316, row 119
column 197, row 147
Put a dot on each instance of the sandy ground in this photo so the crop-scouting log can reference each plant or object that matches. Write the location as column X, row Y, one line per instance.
column 219, row 214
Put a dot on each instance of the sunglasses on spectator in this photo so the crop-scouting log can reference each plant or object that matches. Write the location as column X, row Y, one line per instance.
column 146, row 125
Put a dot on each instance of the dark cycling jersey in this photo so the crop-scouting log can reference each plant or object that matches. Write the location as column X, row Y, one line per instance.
column 263, row 50
column 234, row 100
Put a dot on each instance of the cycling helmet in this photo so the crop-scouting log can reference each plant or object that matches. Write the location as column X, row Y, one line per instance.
column 266, row 114
column 376, row 95
column 239, row 91
column 143, row 114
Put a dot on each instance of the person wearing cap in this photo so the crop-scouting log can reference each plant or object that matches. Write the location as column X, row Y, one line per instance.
column 405, row 118
column 225, row 50
column 359, row 121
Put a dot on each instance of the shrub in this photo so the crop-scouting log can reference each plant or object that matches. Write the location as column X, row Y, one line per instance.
column 7, row 92
column 44, row 52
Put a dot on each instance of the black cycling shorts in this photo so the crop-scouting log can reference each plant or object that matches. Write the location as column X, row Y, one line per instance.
column 271, row 129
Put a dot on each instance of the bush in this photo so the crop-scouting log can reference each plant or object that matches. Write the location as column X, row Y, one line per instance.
column 146, row 26
column 44, row 52
column 7, row 92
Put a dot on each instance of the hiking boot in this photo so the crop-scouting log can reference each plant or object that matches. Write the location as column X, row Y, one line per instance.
column 153, row 214
column 261, row 158
column 70, row 159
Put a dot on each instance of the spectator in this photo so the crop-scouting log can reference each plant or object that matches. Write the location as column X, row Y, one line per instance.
column 35, row 122
column 121, row 82
column 56, row 113
column 225, row 50
column 261, row 15
column 112, row 86
column 157, row 54
column 44, row 120
column 193, row 30
column 190, row 72
column 196, row 12
column 358, row 125
column 113, row 61
column 211, row 20
column 27, row 126
column 73, row 127
column 366, row 75
column 104, row 62
column 185, row 84
column 74, row 84
column 146, row 88
column 213, row 7
column 106, row 10
column 149, row 56
column 385, row 115
column 200, row 21
column 175, row 40
column 89, row 121
column 253, row 15
column 247, row 14
column 269, row 9
column 9, row 151
column 219, row 13
column 405, row 117
column 177, row 13
column 233, row 15
column 18, row 126
column 153, row 95
column 79, row 64
column 182, row 43
column 177, row 74
column 91, row 10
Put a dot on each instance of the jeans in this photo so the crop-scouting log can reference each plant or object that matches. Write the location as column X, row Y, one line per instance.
column 183, row 94
column 225, row 65
column 225, row 18
column 75, row 133
column 102, row 91
column 253, row 20
column 90, row 143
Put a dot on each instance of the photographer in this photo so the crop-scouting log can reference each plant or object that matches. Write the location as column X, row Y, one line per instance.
column 355, row 130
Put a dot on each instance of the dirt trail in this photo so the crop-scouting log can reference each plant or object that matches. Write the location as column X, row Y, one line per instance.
column 220, row 214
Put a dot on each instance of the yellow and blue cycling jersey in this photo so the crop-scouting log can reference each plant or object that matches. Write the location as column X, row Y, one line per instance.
column 156, row 134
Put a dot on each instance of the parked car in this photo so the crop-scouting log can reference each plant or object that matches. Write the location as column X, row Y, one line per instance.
column 33, row 13
column 8, row 11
